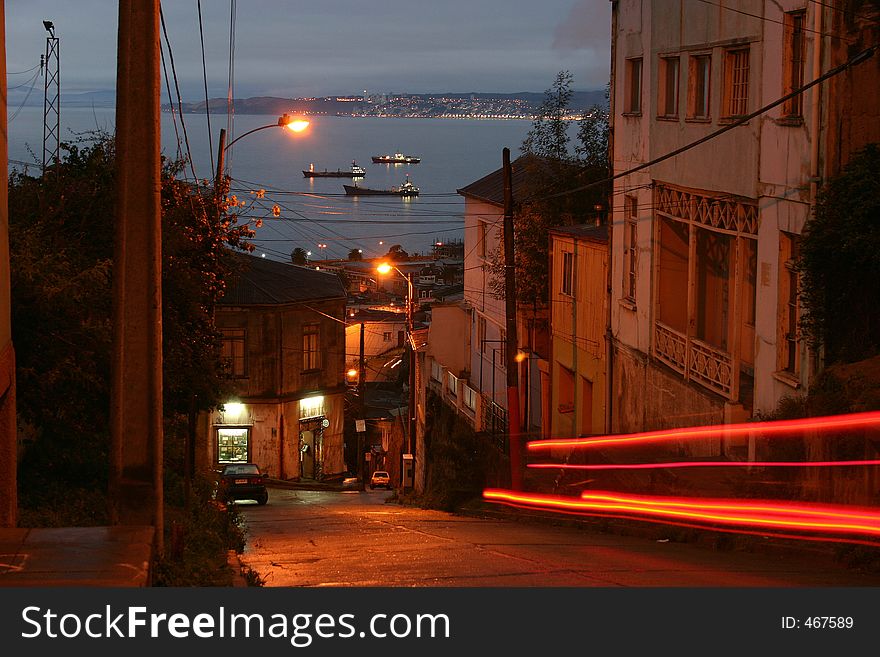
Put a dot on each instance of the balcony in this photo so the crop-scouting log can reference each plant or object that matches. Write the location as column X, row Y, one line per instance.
column 696, row 360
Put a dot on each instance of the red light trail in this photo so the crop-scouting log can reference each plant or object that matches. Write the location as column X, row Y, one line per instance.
column 817, row 424
column 765, row 514
column 702, row 464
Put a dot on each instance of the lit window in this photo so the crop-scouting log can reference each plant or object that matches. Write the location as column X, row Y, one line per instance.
column 668, row 90
column 736, row 82
column 633, row 81
column 386, row 336
column 470, row 397
column 233, row 349
column 233, row 445
column 452, row 384
column 311, row 347
column 699, row 87
column 794, row 62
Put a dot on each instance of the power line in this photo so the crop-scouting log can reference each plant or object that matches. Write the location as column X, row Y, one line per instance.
column 771, row 20
column 858, row 59
column 205, row 78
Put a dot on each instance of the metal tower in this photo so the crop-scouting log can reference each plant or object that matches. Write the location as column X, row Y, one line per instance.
column 51, row 99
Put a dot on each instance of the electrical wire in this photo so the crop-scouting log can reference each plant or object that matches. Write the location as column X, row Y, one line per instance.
column 205, row 79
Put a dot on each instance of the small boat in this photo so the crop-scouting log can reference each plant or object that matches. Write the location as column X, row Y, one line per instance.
column 354, row 172
column 397, row 158
column 406, row 189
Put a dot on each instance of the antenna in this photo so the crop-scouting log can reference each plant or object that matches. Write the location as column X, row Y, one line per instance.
column 51, row 99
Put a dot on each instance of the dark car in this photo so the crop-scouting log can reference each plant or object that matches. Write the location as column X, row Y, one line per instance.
column 243, row 481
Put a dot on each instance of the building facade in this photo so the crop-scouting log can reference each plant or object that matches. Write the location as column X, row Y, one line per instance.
column 704, row 303
column 578, row 307
column 283, row 343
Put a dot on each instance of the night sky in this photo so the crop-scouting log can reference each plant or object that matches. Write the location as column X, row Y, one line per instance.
column 292, row 48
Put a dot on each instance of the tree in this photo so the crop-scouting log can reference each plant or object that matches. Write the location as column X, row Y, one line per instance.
column 839, row 263
column 561, row 189
column 355, row 255
column 396, row 254
column 61, row 249
column 549, row 134
column 299, row 256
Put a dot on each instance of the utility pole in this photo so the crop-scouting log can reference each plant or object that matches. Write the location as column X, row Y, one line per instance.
column 512, row 346
column 362, row 404
column 51, row 98
column 136, row 472
column 411, row 434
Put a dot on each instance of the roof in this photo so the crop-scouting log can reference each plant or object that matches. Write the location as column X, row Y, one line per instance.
column 260, row 281
column 490, row 188
column 583, row 231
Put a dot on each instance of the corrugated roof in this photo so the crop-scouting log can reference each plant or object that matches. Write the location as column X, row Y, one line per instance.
column 260, row 281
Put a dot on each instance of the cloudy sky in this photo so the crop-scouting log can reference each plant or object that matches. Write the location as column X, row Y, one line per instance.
column 293, row 48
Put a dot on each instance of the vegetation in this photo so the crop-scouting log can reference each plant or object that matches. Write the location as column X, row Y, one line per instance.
column 356, row 255
column 61, row 249
column 839, row 263
column 565, row 187
column 299, row 256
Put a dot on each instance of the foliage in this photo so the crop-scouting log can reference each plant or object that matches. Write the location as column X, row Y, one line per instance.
column 61, row 247
column 560, row 189
column 355, row 255
column 299, row 256
column 839, row 263
column 197, row 542
column 396, row 253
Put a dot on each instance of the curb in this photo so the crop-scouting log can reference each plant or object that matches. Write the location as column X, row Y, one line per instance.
column 234, row 563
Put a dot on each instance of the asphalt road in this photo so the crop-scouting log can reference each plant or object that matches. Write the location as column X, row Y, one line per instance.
column 319, row 538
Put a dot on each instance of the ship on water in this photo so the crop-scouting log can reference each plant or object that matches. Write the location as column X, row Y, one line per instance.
column 354, row 172
column 405, row 189
column 397, row 158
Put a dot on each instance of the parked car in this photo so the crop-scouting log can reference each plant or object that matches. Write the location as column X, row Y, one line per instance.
column 243, row 481
column 380, row 478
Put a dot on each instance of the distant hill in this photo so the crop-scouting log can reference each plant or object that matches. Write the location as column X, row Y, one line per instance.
column 337, row 105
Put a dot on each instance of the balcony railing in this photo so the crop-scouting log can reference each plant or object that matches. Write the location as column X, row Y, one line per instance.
column 695, row 359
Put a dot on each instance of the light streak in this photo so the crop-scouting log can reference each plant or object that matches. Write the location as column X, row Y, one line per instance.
column 703, row 464
column 774, row 427
column 763, row 514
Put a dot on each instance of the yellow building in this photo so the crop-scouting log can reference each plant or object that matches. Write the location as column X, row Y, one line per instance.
column 578, row 301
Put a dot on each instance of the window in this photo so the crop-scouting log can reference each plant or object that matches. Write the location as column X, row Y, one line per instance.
column 568, row 273
column 794, row 61
column 311, row 346
column 633, row 81
column 481, row 238
column 233, row 351
column 667, row 103
column 232, row 445
column 481, row 333
column 386, row 336
column 470, row 397
column 452, row 384
column 788, row 359
column 436, row 371
column 698, row 86
column 736, row 82
column 630, row 246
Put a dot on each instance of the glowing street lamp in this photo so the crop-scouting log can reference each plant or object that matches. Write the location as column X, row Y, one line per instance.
column 383, row 269
column 294, row 124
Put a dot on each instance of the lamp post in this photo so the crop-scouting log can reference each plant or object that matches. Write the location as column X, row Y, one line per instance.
column 385, row 268
column 284, row 121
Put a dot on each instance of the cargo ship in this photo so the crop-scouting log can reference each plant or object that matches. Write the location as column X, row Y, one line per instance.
column 397, row 158
column 354, row 172
column 406, row 189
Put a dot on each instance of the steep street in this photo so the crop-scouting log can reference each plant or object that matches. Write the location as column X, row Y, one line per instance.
column 319, row 538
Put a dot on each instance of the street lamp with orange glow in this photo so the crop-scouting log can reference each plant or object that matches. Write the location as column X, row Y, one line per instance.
column 294, row 124
column 384, row 269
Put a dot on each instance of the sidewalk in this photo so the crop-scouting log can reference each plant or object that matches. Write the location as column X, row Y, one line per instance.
column 76, row 556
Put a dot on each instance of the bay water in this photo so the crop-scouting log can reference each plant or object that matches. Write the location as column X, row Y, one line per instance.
column 315, row 214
